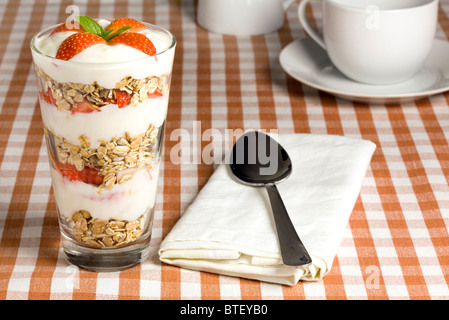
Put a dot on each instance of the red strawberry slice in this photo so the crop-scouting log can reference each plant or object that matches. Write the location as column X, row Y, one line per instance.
column 87, row 175
column 69, row 172
column 63, row 27
column 126, row 22
column 77, row 43
column 155, row 94
column 84, row 107
column 135, row 40
column 123, row 98
column 91, row 176
column 48, row 97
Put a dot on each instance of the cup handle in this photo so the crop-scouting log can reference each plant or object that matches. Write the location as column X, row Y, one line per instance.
column 306, row 25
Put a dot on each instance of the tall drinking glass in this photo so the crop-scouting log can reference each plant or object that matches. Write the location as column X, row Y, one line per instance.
column 104, row 130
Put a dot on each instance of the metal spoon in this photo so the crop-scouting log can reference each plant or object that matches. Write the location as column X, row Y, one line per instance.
column 258, row 160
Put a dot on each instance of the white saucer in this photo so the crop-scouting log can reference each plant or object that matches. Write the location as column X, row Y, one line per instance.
column 308, row 63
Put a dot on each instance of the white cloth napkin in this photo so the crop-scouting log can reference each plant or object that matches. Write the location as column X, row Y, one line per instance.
column 229, row 228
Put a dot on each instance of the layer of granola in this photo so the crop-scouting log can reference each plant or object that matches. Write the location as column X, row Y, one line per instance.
column 109, row 163
column 98, row 233
column 82, row 98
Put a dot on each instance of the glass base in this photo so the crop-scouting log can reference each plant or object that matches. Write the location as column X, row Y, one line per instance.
column 107, row 259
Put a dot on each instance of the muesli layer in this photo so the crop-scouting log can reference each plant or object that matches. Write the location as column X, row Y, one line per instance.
column 78, row 97
column 110, row 159
column 98, row 233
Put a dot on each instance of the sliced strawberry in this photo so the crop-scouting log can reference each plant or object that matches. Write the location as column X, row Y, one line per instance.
column 63, row 27
column 87, row 175
column 69, row 171
column 155, row 94
column 91, row 176
column 135, row 40
column 126, row 22
column 48, row 97
column 84, row 107
column 123, row 98
column 77, row 43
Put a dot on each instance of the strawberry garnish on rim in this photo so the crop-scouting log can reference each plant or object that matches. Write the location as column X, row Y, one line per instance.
column 63, row 27
column 77, row 43
column 119, row 23
column 135, row 40
column 121, row 30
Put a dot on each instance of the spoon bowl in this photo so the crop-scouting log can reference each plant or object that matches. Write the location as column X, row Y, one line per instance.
column 258, row 160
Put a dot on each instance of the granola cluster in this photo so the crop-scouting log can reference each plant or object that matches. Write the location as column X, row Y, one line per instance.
column 68, row 94
column 110, row 157
column 98, row 233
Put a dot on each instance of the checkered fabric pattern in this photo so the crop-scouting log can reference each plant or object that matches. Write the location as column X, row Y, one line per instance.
column 396, row 244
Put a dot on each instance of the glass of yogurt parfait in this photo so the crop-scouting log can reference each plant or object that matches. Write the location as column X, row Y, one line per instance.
column 103, row 91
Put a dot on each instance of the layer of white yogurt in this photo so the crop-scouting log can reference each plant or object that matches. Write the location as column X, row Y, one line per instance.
column 111, row 122
column 125, row 201
column 102, row 63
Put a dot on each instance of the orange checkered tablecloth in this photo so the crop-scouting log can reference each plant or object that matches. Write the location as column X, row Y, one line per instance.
column 396, row 245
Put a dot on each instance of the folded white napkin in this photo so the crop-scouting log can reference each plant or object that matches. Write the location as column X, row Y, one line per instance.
column 229, row 228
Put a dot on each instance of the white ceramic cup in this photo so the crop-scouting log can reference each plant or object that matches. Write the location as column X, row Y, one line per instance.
column 241, row 17
column 376, row 41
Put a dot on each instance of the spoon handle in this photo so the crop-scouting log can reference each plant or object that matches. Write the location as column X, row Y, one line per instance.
column 293, row 251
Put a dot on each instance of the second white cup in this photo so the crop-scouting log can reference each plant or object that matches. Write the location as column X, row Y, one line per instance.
column 241, row 17
column 376, row 41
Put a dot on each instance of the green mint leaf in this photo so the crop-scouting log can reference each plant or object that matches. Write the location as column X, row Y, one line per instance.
column 108, row 36
column 90, row 25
